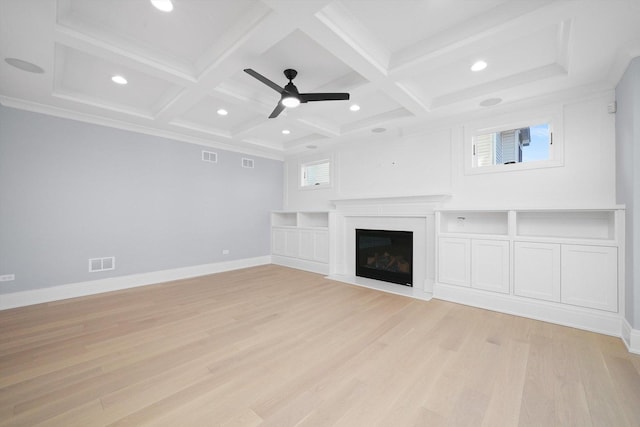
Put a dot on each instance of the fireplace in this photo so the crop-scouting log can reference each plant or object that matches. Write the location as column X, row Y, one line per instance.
column 385, row 255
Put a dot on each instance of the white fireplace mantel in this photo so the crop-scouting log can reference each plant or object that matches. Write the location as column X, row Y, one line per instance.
column 390, row 205
column 415, row 213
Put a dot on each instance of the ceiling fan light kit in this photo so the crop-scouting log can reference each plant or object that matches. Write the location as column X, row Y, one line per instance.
column 290, row 101
column 290, row 97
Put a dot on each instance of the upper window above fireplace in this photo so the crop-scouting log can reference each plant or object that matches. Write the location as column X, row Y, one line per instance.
column 316, row 174
column 514, row 142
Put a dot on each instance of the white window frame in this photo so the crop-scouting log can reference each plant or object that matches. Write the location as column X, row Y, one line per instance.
column 553, row 117
column 304, row 164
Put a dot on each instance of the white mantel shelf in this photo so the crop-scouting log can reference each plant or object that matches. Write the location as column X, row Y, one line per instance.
column 392, row 206
column 412, row 199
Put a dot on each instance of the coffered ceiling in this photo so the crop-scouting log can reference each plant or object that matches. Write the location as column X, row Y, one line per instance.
column 406, row 63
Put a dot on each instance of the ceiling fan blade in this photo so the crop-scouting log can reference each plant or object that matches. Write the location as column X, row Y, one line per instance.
column 306, row 97
column 277, row 110
column 264, row 80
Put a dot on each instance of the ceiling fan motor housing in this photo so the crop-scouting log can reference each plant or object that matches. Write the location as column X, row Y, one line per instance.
column 290, row 73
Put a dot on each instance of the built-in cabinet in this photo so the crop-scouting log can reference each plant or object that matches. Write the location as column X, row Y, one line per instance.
column 301, row 240
column 473, row 250
column 567, row 257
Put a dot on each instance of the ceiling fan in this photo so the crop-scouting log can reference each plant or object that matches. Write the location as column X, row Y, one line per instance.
column 290, row 97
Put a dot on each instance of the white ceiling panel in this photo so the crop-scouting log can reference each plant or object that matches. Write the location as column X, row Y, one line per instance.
column 401, row 23
column 179, row 37
column 510, row 57
column 204, row 114
column 316, row 66
column 87, row 79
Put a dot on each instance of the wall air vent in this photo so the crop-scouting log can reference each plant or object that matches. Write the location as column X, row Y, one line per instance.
column 247, row 163
column 209, row 156
column 102, row 264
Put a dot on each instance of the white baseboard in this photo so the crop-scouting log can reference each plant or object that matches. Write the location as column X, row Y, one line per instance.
column 301, row 264
column 631, row 337
column 73, row 290
column 562, row 314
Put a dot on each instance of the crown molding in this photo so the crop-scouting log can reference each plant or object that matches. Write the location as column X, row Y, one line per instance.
column 34, row 107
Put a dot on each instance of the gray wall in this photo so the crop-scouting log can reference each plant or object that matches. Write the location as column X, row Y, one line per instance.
column 628, row 181
column 70, row 191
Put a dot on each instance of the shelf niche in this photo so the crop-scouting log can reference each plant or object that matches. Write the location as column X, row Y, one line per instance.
column 596, row 225
column 466, row 222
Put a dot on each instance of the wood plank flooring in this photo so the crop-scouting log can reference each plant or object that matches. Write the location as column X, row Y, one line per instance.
column 272, row 346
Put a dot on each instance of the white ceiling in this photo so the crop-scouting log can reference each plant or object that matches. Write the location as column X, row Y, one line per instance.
column 405, row 62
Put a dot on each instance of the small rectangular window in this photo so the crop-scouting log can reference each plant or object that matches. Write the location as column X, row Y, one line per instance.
column 525, row 140
column 315, row 174
column 525, row 144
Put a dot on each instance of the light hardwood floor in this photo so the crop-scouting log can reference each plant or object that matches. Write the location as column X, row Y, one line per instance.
column 273, row 346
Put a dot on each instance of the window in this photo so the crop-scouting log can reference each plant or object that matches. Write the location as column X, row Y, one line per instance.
column 527, row 144
column 516, row 145
column 315, row 174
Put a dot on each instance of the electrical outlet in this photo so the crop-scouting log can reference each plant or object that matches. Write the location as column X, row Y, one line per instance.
column 7, row 277
column 225, row 252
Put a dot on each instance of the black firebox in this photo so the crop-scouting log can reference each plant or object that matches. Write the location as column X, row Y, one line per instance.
column 385, row 255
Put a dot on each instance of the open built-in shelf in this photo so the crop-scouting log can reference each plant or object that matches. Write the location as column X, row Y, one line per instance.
column 475, row 222
column 586, row 224
column 300, row 219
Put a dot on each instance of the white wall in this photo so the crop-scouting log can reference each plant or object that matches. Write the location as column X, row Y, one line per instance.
column 628, row 181
column 71, row 191
column 433, row 163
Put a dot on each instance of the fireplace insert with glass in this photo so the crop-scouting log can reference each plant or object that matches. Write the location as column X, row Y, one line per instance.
column 385, row 255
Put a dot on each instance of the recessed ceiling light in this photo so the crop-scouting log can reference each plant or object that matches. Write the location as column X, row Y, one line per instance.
column 490, row 102
column 354, row 107
column 222, row 112
column 286, row 131
column 163, row 5
column 24, row 65
column 378, row 130
column 119, row 79
column 478, row 66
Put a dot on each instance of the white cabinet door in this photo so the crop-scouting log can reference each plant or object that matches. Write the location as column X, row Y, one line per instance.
column 292, row 243
column 454, row 261
column 590, row 276
column 537, row 270
column 285, row 242
column 490, row 265
column 314, row 245
column 278, row 241
column 321, row 246
column 306, row 244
